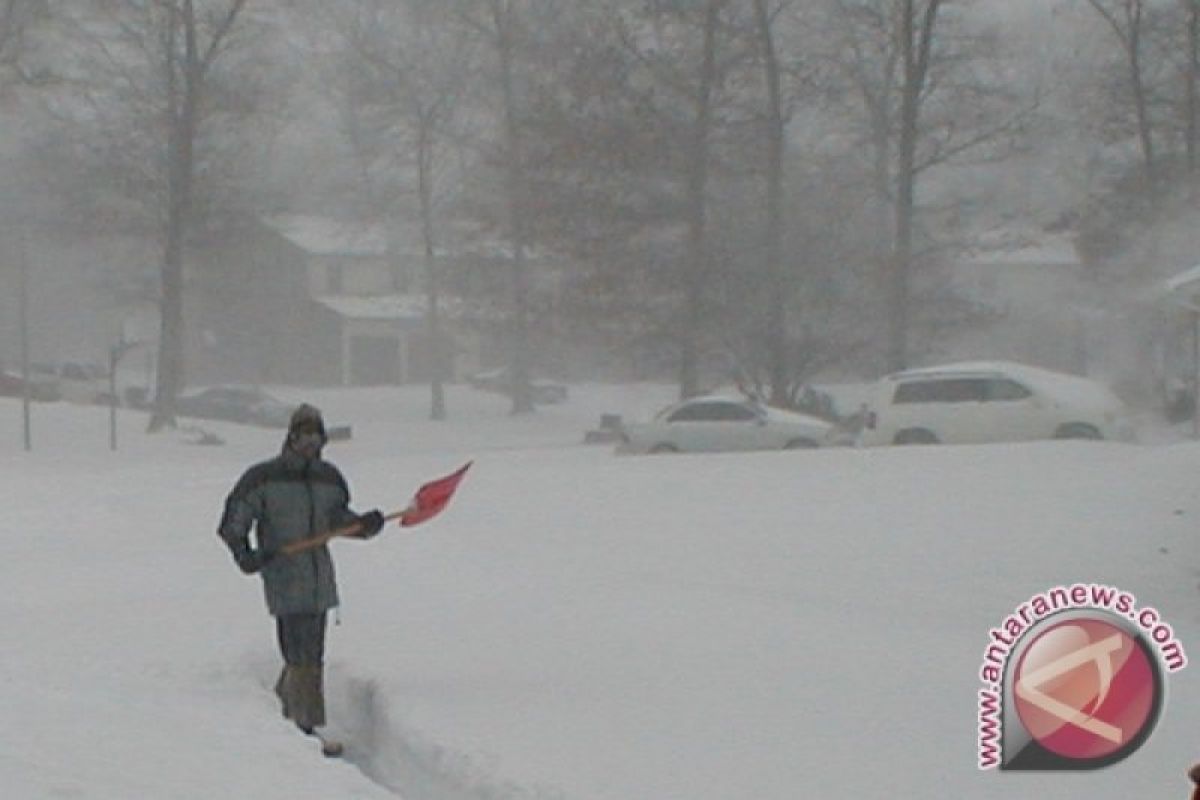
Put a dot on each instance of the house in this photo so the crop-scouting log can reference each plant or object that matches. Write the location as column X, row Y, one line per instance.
column 1032, row 285
column 311, row 301
column 1011, row 274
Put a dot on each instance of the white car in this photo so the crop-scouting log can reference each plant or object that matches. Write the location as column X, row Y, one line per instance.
column 500, row 380
column 995, row 401
column 713, row 424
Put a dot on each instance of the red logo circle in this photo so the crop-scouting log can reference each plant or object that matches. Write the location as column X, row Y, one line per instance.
column 1085, row 688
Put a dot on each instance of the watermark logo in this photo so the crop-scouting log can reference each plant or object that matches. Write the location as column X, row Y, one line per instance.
column 1073, row 680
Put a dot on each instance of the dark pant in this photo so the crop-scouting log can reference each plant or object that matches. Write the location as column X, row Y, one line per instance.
column 301, row 639
column 299, row 688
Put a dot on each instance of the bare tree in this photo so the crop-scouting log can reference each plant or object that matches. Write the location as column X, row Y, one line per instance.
column 916, row 44
column 144, row 68
column 410, row 72
column 504, row 27
column 682, row 47
column 1127, row 20
column 926, row 101
column 776, row 328
column 1191, row 74
column 697, row 180
column 17, row 19
column 186, row 65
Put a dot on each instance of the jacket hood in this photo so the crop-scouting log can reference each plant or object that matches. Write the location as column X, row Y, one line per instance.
column 305, row 418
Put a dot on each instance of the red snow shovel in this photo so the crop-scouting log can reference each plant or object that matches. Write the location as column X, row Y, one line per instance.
column 428, row 502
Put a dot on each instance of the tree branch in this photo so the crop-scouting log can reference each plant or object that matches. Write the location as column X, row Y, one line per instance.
column 220, row 33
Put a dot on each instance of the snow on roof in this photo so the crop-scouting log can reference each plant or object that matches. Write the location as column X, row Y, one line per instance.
column 325, row 236
column 1001, row 248
column 333, row 237
column 980, row 366
column 957, row 368
column 380, row 307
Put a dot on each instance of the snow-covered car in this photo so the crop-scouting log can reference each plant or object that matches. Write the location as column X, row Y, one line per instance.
column 500, row 380
column 248, row 405
column 232, row 404
column 994, row 401
column 245, row 404
column 713, row 424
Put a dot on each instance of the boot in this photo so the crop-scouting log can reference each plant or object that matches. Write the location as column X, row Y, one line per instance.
column 300, row 691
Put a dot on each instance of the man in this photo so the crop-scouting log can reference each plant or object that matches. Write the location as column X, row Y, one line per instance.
column 291, row 497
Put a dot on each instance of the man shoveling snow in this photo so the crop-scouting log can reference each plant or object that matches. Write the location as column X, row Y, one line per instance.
column 287, row 500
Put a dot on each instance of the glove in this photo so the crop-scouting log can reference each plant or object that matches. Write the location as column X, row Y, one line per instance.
column 371, row 523
column 252, row 561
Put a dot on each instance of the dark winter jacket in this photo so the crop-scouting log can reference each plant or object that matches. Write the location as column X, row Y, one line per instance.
column 289, row 498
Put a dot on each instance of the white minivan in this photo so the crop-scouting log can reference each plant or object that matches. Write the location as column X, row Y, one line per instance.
column 994, row 401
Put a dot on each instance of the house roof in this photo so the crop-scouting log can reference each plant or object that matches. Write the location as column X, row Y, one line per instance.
column 334, row 237
column 325, row 236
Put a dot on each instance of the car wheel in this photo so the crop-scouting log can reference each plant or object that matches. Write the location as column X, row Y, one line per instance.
column 915, row 436
column 800, row 444
column 1077, row 430
column 664, row 448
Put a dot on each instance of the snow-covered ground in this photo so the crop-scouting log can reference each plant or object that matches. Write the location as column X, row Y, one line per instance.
column 578, row 625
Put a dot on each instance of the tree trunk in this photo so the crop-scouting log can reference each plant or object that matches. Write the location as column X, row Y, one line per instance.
column 1193, row 74
column 183, row 93
column 184, row 86
column 522, row 400
column 1140, row 101
column 776, row 323
column 695, row 270
column 915, row 45
column 882, row 212
column 437, row 409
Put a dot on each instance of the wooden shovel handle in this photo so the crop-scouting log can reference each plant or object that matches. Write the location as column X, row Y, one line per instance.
column 300, row 545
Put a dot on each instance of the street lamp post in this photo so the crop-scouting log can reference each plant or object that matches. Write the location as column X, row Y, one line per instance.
column 115, row 353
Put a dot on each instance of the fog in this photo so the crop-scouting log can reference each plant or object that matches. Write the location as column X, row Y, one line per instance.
column 597, row 204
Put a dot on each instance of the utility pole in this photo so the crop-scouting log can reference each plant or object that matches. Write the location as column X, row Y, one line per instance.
column 1196, row 374
column 23, row 292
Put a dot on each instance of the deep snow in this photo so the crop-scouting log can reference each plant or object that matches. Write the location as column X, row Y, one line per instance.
column 577, row 625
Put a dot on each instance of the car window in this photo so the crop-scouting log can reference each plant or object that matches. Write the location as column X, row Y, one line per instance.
column 946, row 390
column 733, row 412
column 713, row 412
column 689, row 413
column 1000, row 389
